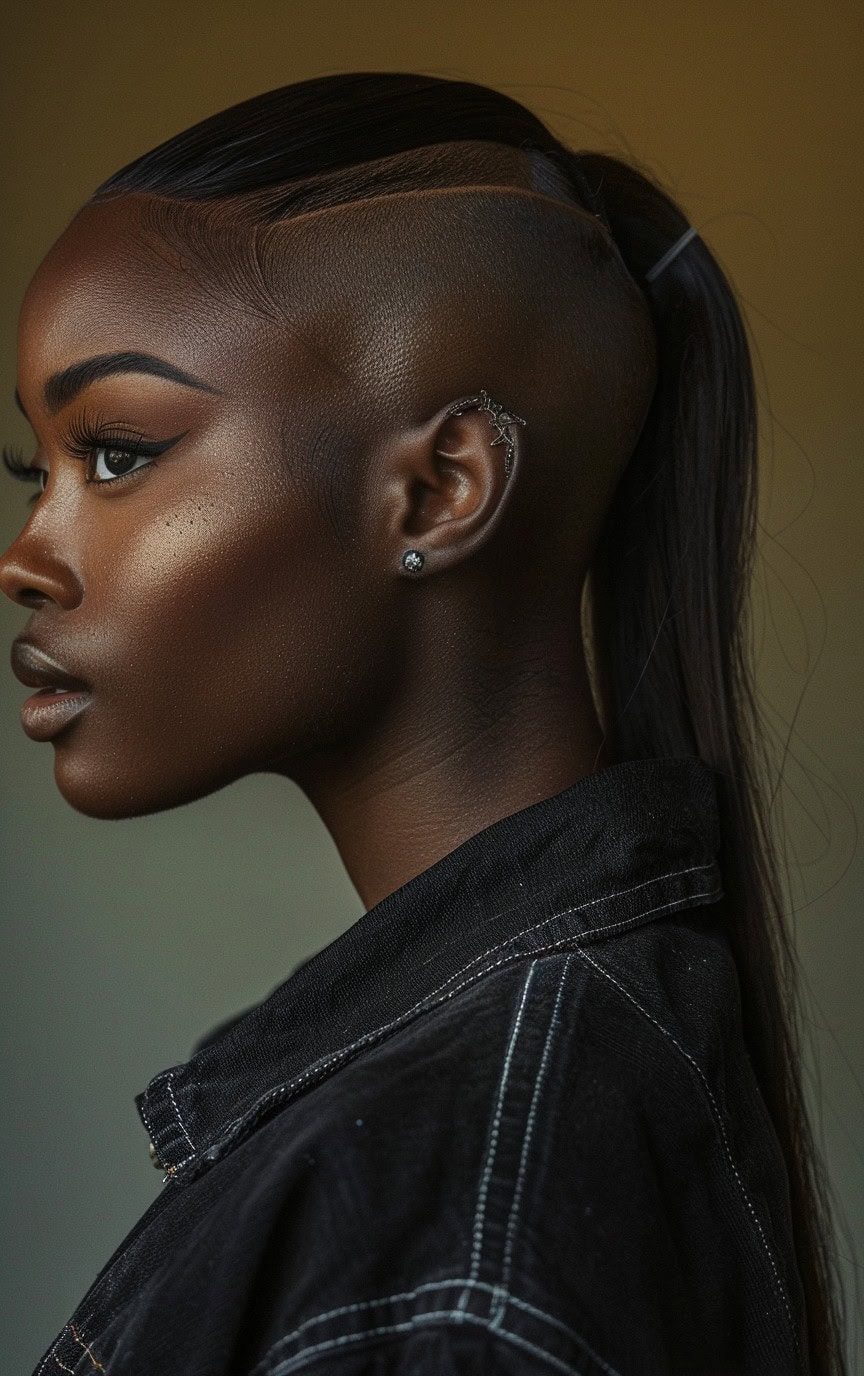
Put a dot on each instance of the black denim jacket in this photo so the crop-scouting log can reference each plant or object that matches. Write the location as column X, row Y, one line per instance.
column 505, row 1123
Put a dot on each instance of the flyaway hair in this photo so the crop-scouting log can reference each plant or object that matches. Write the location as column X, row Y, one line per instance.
column 654, row 387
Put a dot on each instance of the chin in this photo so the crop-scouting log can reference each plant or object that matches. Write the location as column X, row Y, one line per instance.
column 104, row 789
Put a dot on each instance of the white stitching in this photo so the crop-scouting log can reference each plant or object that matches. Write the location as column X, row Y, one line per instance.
column 572, row 938
column 556, row 1323
column 50, row 1353
column 578, row 908
column 177, row 1111
column 532, row 1309
column 163, row 1075
column 62, row 1365
column 480, row 1209
column 499, row 1304
column 149, row 1126
column 720, row 1126
column 418, row 1320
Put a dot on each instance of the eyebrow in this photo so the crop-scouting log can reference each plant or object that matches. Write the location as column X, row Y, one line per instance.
column 63, row 387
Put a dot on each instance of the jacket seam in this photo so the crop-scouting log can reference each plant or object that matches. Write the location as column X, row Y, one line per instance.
column 717, row 1118
column 266, row 1367
column 489, row 1162
column 183, row 1129
column 499, row 1300
column 572, row 938
column 419, row 1321
column 50, row 1353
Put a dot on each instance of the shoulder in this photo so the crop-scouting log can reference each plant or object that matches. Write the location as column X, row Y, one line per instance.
column 570, row 1154
column 648, row 1019
column 565, row 1162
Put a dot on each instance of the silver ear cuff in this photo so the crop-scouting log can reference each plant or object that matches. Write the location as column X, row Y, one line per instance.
column 499, row 417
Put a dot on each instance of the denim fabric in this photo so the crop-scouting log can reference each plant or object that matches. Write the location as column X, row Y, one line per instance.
column 506, row 1123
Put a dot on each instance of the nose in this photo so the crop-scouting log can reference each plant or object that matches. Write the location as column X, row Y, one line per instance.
column 32, row 572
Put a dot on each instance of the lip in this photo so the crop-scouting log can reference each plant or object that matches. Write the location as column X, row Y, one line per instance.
column 61, row 696
column 37, row 669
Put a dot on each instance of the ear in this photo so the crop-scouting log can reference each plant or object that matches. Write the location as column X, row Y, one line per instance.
column 450, row 482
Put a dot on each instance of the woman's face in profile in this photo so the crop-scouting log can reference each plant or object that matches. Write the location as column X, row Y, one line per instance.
column 192, row 582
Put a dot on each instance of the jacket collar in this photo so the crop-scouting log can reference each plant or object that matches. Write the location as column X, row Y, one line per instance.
column 614, row 850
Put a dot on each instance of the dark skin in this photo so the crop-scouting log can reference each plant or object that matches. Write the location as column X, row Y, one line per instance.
column 225, row 624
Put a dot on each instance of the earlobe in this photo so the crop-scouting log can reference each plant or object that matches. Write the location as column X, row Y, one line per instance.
column 458, row 510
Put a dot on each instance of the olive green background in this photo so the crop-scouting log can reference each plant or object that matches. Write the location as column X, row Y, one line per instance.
column 124, row 941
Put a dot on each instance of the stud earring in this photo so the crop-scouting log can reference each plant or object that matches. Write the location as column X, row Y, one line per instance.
column 413, row 560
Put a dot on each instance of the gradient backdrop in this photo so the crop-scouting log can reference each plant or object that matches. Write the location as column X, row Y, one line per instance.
column 748, row 109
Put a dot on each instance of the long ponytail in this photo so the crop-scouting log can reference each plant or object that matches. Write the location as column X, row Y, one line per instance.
column 668, row 605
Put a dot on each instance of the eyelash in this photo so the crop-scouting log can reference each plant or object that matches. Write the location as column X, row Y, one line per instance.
column 13, row 462
column 82, row 439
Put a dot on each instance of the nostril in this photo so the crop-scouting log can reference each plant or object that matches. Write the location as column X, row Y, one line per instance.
column 33, row 584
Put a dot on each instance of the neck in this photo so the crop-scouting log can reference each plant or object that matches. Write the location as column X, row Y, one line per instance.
column 432, row 774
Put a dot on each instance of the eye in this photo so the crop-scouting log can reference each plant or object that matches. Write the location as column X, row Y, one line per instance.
column 112, row 453
column 113, row 461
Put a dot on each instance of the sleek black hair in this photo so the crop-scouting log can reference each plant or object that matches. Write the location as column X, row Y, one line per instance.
column 670, row 576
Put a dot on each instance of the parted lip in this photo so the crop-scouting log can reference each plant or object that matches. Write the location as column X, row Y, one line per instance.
column 38, row 670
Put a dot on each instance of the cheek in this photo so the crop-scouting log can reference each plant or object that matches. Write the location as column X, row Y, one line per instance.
column 231, row 635
column 229, row 600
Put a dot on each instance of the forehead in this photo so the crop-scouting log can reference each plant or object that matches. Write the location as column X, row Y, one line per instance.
column 109, row 285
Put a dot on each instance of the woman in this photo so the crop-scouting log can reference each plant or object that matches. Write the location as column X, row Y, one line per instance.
column 340, row 396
